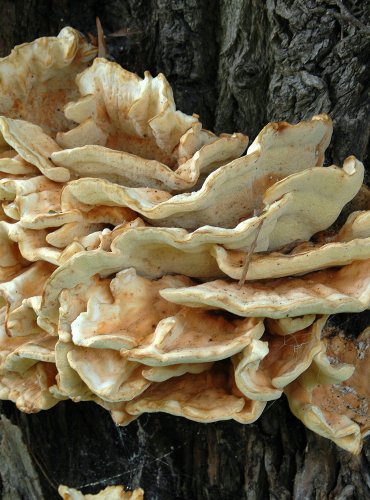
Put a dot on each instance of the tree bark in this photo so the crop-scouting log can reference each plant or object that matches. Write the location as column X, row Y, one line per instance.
column 238, row 64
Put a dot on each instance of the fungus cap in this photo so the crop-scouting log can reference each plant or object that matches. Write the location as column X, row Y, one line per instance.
column 206, row 397
column 134, row 171
column 351, row 243
column 33, row 145
column 266, row 366
column 324, row 292
column 228, row 195
column 126, row 113
column 38, row 78
column 331, row 397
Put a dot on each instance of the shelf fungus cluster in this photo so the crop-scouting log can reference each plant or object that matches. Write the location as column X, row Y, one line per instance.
column 149, row 265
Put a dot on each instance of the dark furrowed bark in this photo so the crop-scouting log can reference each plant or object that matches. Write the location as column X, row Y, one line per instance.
column 238, row 64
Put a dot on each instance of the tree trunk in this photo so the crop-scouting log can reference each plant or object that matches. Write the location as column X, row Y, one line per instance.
column 238, row 64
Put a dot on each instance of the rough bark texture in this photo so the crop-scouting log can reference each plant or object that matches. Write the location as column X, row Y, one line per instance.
column 238, row 64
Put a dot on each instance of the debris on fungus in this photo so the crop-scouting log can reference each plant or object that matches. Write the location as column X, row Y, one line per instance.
column 124, row 229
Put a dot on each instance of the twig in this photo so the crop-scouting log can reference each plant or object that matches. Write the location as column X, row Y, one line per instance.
column 102, row 46
column 248, row 257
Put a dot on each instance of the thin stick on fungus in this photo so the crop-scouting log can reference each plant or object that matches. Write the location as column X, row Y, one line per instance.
column 102, row 46
column 248, row 257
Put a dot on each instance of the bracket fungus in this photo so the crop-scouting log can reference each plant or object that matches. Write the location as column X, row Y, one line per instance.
column 124, row 227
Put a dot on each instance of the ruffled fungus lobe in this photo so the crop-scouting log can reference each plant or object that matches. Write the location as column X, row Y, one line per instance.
column 38, row 79
column 351, row 243
column 30, row 390
column 266, row 366
column 229, row 194
column 207, row 397
column 324, row 292
column 332, row 398
column 33, row 145
column 133, row 171
column 99, row 244
column 122, row 111
column 107, row 375
column 132, row 317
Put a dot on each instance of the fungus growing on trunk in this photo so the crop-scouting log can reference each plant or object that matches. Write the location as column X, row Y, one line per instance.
column 124, row 229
